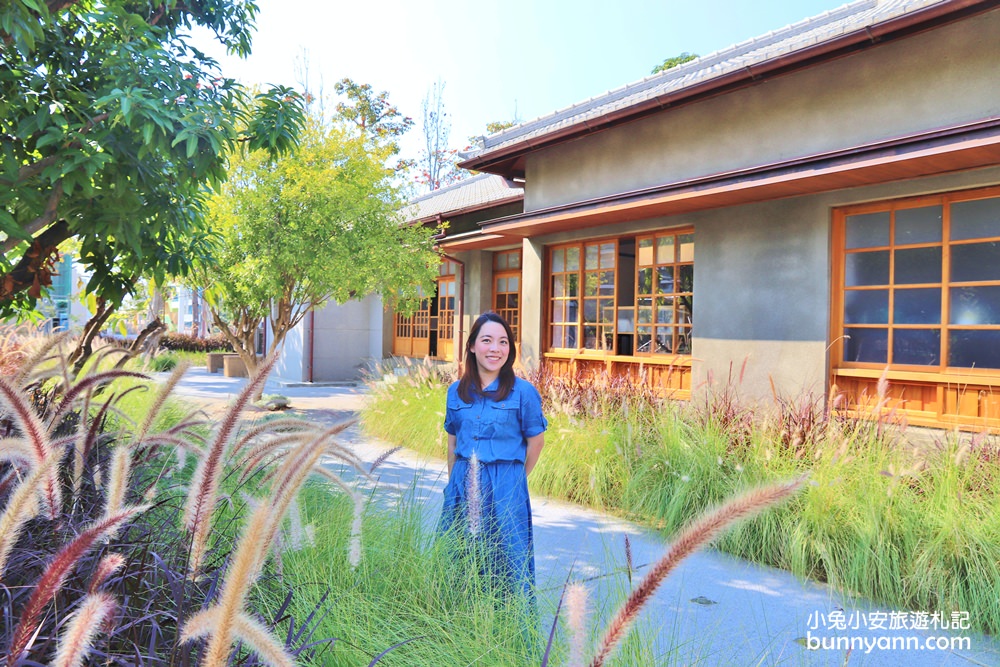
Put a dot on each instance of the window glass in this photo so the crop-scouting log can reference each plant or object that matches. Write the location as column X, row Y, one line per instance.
column 502, row 260
column 866, row 307
column 645, row 257
column 514, row 260
column 687, row 248
column 917, row 306
column 665, row 280
column 866, row 345
column 975, row 261
column 869, row 230
column 558, row 260
column 916, row 346
column 975, row 219
column 514, row 283
column 591, row 254
column 572, row 259
column 974, row 349
column 501, row 284
column 608, row 253
column 558, row 286
column 917, row 265
column 867, row 268
column 665, row 250
column 918, row 225
column 975, row 305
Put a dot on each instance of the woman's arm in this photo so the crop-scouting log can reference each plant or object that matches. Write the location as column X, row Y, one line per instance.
column 535, row 444
column 451, row 452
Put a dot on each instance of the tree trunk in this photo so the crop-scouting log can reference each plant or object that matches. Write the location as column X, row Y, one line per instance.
column 241, row 334
column 146, row 342
column 85, row 346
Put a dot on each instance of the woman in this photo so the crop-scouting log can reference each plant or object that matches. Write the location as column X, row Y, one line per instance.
column 495, row 432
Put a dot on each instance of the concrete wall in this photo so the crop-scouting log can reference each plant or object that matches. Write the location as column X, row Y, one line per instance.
column 291, row 364
column 347, row 339
column 931, row 80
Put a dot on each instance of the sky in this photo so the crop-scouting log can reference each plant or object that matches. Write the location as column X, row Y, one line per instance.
column 517, row 59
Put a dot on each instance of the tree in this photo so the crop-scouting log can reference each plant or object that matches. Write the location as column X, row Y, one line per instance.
column 437, row 163
column 113, row 130
column 670, row 63
column 372, row 113
column 321, row 224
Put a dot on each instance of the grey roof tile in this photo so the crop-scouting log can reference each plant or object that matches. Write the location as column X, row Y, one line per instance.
column 825, row 27
column 478, row 191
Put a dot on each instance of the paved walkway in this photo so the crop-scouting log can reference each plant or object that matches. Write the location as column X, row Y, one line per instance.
column 714, row 610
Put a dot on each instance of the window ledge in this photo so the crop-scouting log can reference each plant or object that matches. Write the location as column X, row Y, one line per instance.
column 659, row 360
column 981, row 378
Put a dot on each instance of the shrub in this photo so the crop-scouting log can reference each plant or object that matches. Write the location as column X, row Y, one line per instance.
column 113, row 537
column 188, row 343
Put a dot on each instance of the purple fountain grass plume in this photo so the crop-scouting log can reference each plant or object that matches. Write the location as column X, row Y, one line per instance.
column 271, row 427
column 382, row 459
column 84, row 427
column 354, row 548
column 473, row 496
column 37, row 356
column 204, row 489
column 73, row 392
column 40, row 446
column 576, row 621
column 691, row 538
column 96, row 611
column 22, row 506
column 119, row 473
column 629, row 566
column 107, row 566
column 265, row 454
column 225, row 621
column 55, row 575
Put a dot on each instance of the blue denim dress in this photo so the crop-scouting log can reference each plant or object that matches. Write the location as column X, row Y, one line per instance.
column 499, row 524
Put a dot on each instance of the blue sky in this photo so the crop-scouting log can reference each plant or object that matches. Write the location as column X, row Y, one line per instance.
column 497, row 59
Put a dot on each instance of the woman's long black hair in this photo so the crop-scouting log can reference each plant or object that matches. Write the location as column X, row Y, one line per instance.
column 470, row 384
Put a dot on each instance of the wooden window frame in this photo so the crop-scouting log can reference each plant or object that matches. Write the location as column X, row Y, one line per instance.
column 681, row 323
column 550, row 300
column 502, row 269
column 941, row 371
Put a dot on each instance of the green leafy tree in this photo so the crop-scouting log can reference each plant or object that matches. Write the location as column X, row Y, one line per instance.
column 320, row 225
column 670, row 63
column 114, row 128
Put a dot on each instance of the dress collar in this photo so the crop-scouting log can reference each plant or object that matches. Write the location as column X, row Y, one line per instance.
column 493, row 386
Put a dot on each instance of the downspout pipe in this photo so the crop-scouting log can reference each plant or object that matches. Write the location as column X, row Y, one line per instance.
column 310, row 346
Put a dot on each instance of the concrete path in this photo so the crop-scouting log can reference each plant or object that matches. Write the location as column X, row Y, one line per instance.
column 714, row 610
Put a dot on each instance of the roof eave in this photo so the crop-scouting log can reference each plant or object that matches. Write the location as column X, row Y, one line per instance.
column 437, row 217
column 509, row 160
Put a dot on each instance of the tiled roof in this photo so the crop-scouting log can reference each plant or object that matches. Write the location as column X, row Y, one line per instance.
column 476, row 192
column 812, row 31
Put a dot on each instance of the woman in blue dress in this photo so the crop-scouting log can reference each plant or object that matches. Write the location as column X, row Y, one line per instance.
column 495, row 433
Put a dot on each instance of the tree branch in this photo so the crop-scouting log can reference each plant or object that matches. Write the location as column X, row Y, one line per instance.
column 44, row 220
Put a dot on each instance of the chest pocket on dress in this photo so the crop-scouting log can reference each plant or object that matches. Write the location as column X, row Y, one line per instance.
column 503, row 413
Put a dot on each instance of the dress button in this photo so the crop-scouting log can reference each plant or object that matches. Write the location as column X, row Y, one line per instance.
column 475, row 437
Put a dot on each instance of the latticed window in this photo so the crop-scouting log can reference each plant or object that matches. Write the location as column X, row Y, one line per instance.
column 664, row 293
column 626, row 296
column 919, row 282
column 507, row 288
column 582, row 289
column 446, row 300
column 417, row 324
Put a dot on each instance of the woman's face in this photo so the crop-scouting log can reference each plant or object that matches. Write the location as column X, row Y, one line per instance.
column 491, row 348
